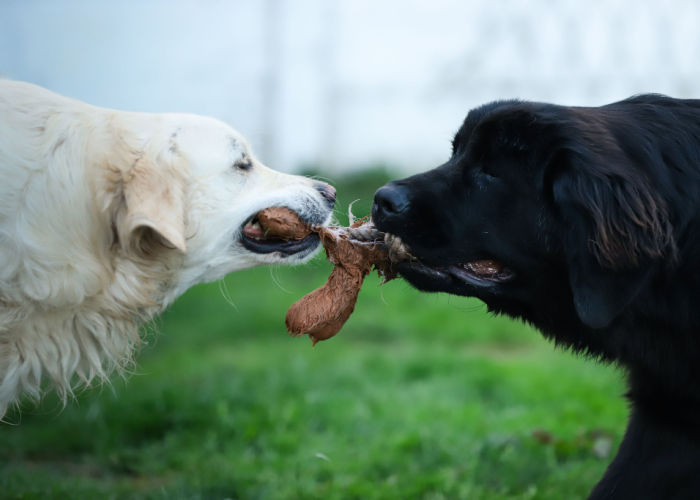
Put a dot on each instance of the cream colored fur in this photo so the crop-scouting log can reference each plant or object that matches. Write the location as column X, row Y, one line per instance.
column 105, row 218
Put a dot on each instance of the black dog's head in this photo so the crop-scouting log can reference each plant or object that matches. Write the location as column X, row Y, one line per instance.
column 542, row 211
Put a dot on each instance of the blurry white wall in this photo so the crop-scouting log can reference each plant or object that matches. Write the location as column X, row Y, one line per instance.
column 347, row 83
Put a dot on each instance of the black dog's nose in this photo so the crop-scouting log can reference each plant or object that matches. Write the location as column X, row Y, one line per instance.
column 327, row 191
column 389, row 201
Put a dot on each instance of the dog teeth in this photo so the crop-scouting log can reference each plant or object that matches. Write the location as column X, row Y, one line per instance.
column 253, row 229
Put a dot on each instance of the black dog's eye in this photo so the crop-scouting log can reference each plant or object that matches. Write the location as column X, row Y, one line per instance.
column 488, row 170
column 243, row 164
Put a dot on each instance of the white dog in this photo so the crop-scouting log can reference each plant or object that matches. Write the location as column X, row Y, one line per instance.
column 107, row 216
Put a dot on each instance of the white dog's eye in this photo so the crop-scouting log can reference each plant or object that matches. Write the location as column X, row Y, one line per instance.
column 243, row 164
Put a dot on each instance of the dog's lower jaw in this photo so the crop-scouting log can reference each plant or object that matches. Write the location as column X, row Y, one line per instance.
column 194, row 273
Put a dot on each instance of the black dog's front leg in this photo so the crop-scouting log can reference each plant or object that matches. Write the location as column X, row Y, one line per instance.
column 657, row 460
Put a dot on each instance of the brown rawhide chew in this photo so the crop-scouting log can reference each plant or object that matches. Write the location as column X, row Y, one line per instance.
column 283, row 223
column 353, row 251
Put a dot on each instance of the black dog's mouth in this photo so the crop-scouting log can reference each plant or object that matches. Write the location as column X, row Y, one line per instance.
column 258, row 239
column 480, row 273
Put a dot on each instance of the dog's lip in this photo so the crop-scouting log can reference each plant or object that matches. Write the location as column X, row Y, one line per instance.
column 286, row 248
column 274, row 245
column 464, row 273
column 475, row 272
column 415, row 266
column 479, row 272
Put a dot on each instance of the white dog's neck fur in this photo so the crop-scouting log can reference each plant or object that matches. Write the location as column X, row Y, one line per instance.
column 52, row 282
column 73, row 295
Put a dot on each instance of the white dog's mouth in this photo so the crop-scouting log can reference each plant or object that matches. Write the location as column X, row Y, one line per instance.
column 258, row 238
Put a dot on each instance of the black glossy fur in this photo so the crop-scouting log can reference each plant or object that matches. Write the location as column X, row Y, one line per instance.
column 596, row 211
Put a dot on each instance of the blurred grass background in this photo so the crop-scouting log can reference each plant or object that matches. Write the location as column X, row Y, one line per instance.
column 419, row 396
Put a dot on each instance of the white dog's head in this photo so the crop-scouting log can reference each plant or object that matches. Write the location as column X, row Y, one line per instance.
column 107, row 216
column 194, row 189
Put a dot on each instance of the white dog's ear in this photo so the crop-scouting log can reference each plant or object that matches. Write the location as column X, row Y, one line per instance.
column 154, row 203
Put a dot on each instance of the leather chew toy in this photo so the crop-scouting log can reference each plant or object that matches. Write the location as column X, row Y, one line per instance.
column 354, row 251
column 277, row 222
column 323, row 312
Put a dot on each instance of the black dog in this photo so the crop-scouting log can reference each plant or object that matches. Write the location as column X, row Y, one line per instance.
column 586, row 223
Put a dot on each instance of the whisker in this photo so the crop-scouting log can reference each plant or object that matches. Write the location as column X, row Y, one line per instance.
column 223, row 288
column 276, row 280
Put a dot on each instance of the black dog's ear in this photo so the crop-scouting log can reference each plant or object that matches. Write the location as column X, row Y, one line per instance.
column 615, row 226
column 600, row 293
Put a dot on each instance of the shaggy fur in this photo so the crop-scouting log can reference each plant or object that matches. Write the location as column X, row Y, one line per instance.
column 590, row 221
column 106, row 217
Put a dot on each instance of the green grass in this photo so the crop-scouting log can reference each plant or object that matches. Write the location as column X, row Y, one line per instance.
column 419, row 396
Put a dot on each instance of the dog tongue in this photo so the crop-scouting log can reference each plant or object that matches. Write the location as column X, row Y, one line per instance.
column 254, row 232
